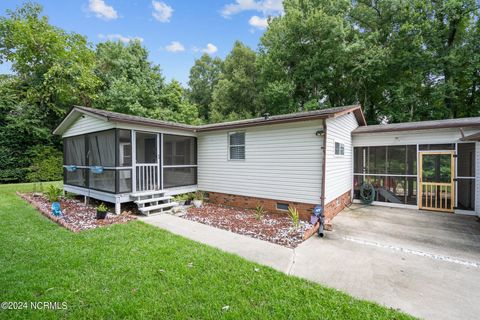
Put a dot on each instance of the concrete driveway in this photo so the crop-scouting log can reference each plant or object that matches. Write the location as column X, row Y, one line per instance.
column 424, row 263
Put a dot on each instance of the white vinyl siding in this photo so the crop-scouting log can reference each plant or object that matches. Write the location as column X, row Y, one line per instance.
column 338, row 169
column 283, row 162
column 87, row 124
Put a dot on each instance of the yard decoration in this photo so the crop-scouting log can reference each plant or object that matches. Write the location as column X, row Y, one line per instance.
column 96, row 169
column 367, row 193
column 71, row 168
column 318, row 221
column 198, row 200
column 56, row 209
column 101, row 211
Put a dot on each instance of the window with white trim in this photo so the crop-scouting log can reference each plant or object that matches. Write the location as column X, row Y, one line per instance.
column 339, row 149
column 236, row 145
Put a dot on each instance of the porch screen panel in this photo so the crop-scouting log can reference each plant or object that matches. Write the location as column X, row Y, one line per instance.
column 179, row 161
column 75, row 178
column 101, row 148
column 466, row 176
column 104, row 181
column 124, row 143
column 74, row 151
column 390, row 169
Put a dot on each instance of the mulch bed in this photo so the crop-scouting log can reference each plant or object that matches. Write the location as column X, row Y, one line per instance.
column 76, row 216
column 274, row 227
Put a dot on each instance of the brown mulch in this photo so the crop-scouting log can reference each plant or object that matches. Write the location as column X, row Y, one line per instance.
column 273, row 227
column 75, row 216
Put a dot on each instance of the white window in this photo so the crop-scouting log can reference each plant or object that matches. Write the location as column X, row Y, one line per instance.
column 339, row 149
column 236, row 145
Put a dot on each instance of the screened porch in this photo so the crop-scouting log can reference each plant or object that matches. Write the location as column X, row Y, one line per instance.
column 122, row 161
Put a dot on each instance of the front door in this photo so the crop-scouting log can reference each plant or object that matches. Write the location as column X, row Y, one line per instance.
column 437, row 188
column 147, row 168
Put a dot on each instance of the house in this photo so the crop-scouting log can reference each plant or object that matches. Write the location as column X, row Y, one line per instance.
column 300, row 159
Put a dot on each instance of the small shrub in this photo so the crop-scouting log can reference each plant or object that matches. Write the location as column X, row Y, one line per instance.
column 295, row 216
column 47, row 164
column 259, row 212
column 181, row 197
column 102, row 207
column 53, row 193
column 199, row 195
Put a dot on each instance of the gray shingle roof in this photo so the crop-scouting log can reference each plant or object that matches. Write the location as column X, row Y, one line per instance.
column 420, row 125
column 299, row 116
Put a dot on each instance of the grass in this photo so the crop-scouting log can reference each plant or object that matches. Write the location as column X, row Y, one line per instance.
column 139, row 271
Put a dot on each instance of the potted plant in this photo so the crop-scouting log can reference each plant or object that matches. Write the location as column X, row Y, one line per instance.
column 198, row 199
column 101, row 211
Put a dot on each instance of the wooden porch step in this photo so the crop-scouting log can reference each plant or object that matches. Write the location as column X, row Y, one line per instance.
column 158, row 207
column 147, row 193
column 143, row 201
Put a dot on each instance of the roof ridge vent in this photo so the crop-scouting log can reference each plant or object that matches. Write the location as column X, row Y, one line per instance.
column 266, row 115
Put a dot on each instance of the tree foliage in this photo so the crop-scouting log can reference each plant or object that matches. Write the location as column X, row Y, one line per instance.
column 204, row 76
column 236, row 95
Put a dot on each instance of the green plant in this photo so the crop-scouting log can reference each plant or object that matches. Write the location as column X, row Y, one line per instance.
column 102, row 207
column 53, row 193
column 259, row 212
column 47, row 164
column 199, row 195
column 295, row 216
column 182, row 197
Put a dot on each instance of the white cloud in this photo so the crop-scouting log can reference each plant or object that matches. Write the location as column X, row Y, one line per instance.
column 267, row 7
column 115, row 37
column 161, row 11
column 102, row 10
column 175, row 46
column 209, row 49
column 257, row 22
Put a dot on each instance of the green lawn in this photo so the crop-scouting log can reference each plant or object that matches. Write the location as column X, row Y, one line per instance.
column 138, row 271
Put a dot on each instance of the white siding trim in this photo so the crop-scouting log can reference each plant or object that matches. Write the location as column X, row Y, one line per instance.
column 87, row 124
column 283, row 162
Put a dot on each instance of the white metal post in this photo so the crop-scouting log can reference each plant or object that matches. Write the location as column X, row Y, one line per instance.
column 160, row 169
column 134, row 161
column 159, row 164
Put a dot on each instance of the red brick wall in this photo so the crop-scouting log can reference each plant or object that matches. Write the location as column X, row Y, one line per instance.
column 270, row 205
column 335, row 206
column 305, row 209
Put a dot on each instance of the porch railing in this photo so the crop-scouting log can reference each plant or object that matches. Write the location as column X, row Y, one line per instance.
column 147, row 176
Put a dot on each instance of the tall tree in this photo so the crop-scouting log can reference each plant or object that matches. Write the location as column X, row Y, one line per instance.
column 236, row 95
column 53, row 71
column 204, row 75
column 403, row 60
column 130, row 82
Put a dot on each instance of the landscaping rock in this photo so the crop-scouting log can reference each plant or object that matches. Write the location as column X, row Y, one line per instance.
column 273, row 227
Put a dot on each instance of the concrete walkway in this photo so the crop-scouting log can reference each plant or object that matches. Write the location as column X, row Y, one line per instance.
column 420, row 285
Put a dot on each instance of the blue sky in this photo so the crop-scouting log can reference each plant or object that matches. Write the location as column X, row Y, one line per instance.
column 174, row 32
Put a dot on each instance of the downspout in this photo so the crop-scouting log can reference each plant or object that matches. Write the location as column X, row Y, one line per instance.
column 324, row 162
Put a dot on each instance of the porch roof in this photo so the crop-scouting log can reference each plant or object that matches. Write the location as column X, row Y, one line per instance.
column 420, row 125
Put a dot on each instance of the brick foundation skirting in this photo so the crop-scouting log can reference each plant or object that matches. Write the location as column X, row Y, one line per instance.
column 270, row 205
column 335, row 206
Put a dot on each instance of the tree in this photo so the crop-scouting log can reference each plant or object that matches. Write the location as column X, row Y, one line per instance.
column 402, row 60
column 236, row 95
column 130, row 83
column 174, row 106
column 204, row 76
column 56, row 69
